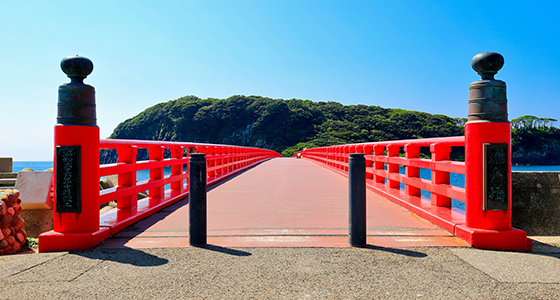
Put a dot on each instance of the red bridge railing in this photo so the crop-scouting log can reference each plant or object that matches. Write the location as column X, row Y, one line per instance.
column 383, row 163
column 223, row 161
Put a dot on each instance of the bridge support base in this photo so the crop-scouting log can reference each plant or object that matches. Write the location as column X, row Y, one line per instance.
column 52, row 241
column 512, row 239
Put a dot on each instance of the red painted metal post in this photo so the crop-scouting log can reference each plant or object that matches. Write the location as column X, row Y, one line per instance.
column 379, row 165
column 412, row 152
column 127, row 155
column 345, row 157
column 393, row 151
column 177, row 169
column 340, row 157
column 211, row 161
column 440, row 152
column 227, row 167
column 368, row 150
column 218, row 161
column 156, row 154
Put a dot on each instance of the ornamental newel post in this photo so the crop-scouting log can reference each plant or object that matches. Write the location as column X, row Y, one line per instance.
column 76, row 162
column 488, row 148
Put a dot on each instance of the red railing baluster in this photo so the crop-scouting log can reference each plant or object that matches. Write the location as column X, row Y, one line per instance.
column 412, row 152
column 440, row 152
column 177, row 169
column 127, row 155
column 392, row 168
column 156, row 155
column 379, row 165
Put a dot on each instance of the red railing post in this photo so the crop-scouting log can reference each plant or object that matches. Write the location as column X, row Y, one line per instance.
column 244, row 157
column 177, row 169
column 211, row 161
column 218, row 161
column 235, row 158
column 127, row 155
column 156, row 154
column 411, row 152
column 440, row 152
column 368, row 150
column 379, row 165
column 227, row 167
column 393, row 151
column 345, row 157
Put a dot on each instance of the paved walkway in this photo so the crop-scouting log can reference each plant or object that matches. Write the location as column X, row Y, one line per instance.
column 284, row 202
column 281, row 273
column 265, row 268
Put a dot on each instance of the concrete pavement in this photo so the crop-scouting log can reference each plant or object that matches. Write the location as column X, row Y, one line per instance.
column 283, row 273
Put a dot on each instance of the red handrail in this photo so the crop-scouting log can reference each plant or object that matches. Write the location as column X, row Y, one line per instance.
column 223, row 161
column 379, row 154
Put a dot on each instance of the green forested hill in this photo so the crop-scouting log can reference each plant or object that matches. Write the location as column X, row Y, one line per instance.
column 281, row 125
column 535, row 141
column 287, row 126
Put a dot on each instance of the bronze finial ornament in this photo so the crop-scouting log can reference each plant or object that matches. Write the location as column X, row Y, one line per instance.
column 76, row 100
column 487, row 97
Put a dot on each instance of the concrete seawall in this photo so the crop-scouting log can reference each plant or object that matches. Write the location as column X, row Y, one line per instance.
column 536, row 202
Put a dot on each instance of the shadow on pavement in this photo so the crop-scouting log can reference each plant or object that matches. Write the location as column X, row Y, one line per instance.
column 223, row 250
column 125, row 256
column 397, row 251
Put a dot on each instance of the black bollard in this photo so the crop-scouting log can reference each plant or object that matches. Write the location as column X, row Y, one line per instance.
column 197, row 199
column 357, row 200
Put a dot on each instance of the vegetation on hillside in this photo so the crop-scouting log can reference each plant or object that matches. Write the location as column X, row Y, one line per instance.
column 288, row 126
column 535, row 141
column 285, row 126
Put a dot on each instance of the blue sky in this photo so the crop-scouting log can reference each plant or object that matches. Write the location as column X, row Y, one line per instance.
column 412, row 55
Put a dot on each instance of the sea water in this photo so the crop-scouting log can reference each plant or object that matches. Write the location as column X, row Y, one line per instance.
column 455, row 179
column 35, row 165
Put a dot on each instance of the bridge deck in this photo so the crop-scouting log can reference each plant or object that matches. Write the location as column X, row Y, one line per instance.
column 284, row 202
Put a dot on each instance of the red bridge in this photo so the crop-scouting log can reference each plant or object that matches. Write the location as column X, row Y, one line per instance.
column 257, row 199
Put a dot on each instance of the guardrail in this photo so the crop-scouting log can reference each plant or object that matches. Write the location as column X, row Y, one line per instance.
column 383, row 176
column 223, row 161
column 383, row 162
